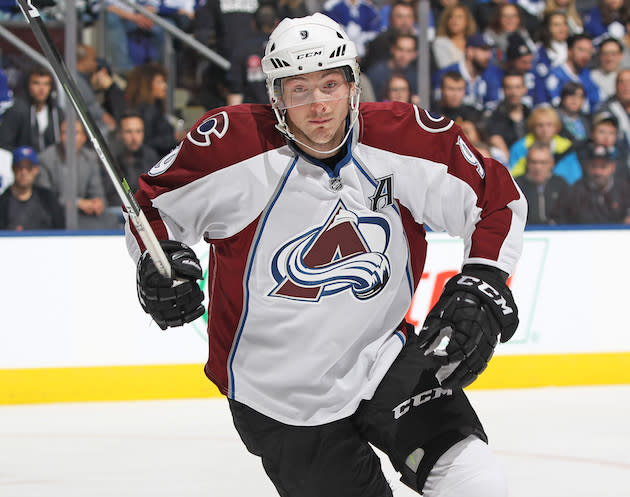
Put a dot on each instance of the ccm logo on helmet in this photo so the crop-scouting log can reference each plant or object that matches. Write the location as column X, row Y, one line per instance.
column 306, row 55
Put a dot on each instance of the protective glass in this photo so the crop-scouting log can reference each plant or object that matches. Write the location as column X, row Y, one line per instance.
column 296, row 91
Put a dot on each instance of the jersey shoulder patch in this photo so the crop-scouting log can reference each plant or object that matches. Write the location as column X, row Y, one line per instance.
column 470, row 157
column 431, row 122
column 211, row 127
column 166, row 162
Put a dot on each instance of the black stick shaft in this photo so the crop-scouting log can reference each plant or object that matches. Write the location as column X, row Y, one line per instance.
column 136, row 215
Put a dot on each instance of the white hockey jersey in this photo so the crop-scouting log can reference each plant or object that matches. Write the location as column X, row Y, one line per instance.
column 311, row 269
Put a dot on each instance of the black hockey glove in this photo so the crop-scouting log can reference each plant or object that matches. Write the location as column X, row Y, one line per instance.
column 475, row 310
column 171, row 302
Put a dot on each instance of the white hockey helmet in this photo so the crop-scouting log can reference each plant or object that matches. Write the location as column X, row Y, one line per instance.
column 304, row 45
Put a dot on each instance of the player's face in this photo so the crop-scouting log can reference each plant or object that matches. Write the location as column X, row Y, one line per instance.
column 319, row 123
column 24, row 173
column 605, row 133
column 453, row 92
column 558, row 28
column 39, row 88
column 132, row 133
column 539, row 165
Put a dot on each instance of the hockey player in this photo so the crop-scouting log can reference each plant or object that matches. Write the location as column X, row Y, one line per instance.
column 314, row 210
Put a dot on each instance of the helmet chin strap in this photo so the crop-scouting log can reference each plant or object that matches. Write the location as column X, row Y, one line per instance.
column 284, row 129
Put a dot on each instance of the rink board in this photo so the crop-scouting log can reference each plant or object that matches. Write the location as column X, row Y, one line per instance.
column 71, row 328
column 186, row 381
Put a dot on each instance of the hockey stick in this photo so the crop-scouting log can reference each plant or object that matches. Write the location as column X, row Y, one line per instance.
column 100, row 146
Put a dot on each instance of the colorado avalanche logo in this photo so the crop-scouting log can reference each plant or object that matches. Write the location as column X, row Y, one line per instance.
column 347, row 252
column 216, row 125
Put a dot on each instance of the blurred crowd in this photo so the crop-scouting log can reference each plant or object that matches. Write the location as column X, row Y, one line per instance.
column 542, row 86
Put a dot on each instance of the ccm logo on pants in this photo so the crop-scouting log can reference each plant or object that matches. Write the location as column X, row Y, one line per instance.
column 421, row 398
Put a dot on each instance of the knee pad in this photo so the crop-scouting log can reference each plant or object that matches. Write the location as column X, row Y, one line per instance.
column 468, row 468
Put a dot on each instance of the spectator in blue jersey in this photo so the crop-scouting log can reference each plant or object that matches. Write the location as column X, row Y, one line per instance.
column 24, row 206
column 552, row 47
column 576, row 125
column 607, row 18
column 403, row 55
column 576, row 68
column 402, row 20
column 544, row 125
column 519, row 58
column 508, row 123
column 483, row 79
column 359, row 18
column 542, row 188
